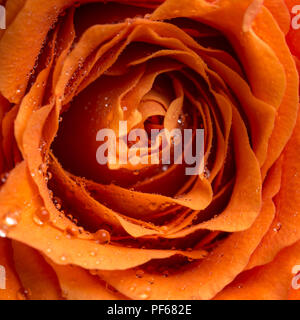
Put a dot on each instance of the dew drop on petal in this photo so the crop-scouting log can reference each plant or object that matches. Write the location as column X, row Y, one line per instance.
column 139, row 273
column 4, row 177
column 94, row 272
column 102, row 236
column 132, row 288
column 146, row 294
column 23, row 294
column 42, row 168
column 57, row 202
column 277, row 227
column 153, row 206
column 41, row 216
column 166, row 274
column 3, row 232
column 10, row 221
column 72, row 231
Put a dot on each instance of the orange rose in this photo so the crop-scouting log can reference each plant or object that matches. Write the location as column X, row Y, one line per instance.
column 72, row 228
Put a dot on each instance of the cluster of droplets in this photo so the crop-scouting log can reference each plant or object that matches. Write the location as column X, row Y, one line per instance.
column 4, row 177
column 57, row 203
column 43, row 170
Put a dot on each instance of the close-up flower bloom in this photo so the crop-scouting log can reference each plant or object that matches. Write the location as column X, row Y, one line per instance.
column 89, row 211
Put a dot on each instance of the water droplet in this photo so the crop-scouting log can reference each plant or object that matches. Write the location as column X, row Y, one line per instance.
column 3, row 232
column 94, row 272
column 63, row 258
column 166, row 274
column 81, row 230
column 153, row 206
column 4, row 177
column 57, row 202
column 278, row 227
column 10, row 221
column 207, row 173
column 41, row 216
column 132, row 288
column 49, row 175
column 139, row 273
column 72, row 231
column 145, row 295
column 42, row 168
column 102, row 236
column 23, row 294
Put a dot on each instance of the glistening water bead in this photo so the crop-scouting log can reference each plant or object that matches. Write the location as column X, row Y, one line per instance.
column 3, row 232
column 23, row 294
column 41, row 216
column 9, row 221
column 102, row 236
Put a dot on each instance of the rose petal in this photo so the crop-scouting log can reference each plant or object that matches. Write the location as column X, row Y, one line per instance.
column 36, row 275
column 269, row 282
column 12, row 283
